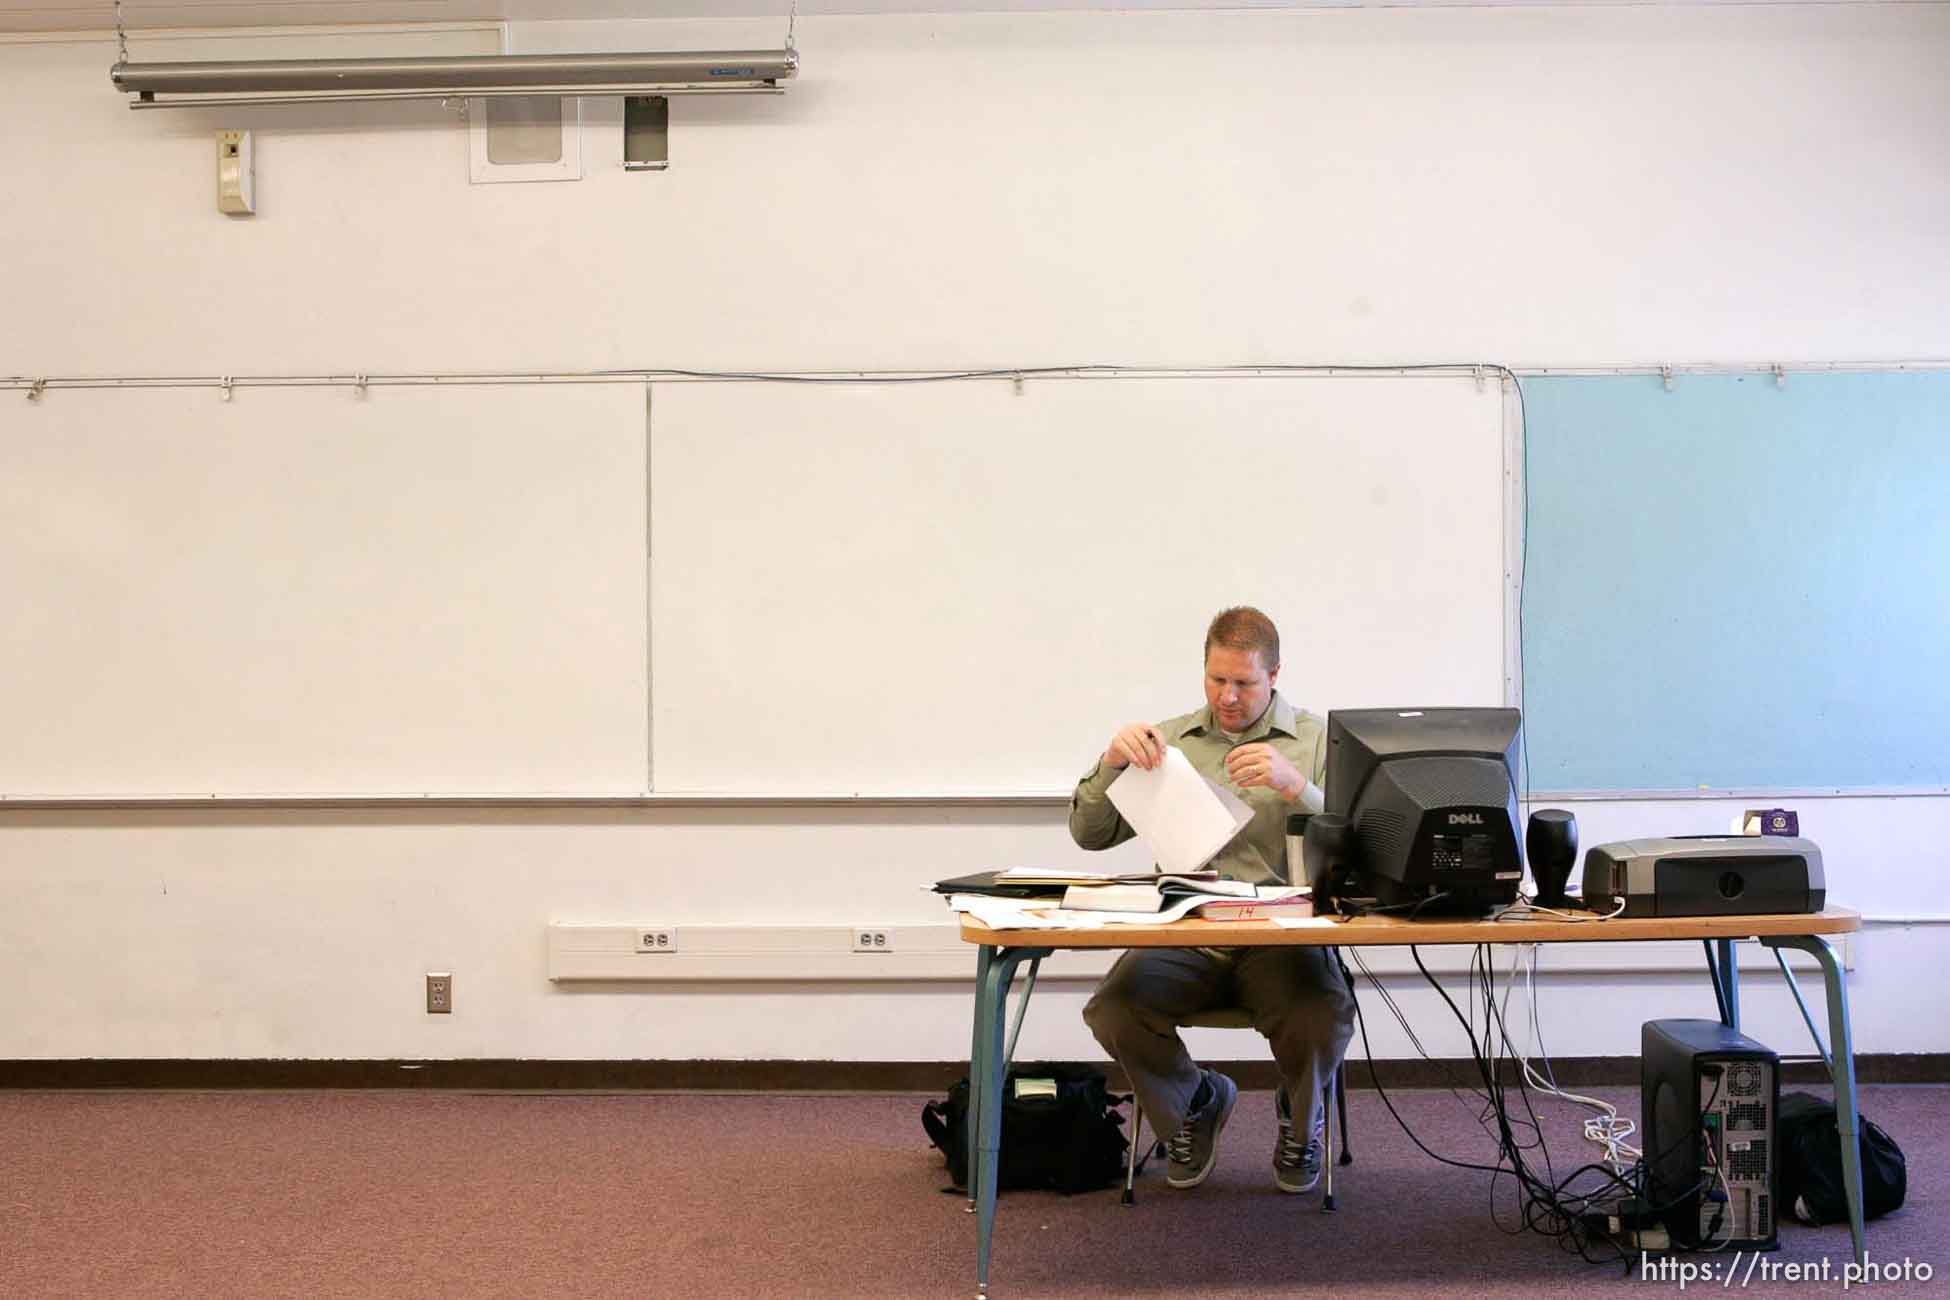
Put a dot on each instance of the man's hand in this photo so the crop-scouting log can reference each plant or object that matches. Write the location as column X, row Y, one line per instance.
column 1138, row 743
column 1261, row 764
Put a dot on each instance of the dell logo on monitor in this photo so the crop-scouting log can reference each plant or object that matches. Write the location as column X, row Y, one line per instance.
column 1465, row 819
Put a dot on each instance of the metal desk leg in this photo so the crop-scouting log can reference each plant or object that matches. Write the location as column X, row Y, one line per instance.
column 986, row 1073
column 1841, row 1069
column 983, row 955
column 1730, row 982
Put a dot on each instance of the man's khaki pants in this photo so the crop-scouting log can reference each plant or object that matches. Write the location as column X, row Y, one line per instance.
column 1294, row 994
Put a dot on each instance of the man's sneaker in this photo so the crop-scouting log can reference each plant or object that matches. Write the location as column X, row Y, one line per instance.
column 1194, row 1148
column 1296, row 1164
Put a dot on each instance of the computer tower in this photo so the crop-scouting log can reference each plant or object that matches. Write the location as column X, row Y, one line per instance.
column 1708, row 1099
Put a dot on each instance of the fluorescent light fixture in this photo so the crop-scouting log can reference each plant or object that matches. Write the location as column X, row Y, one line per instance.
column 301, row 81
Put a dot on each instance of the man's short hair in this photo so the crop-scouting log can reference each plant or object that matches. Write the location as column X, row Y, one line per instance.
column 1244, row 628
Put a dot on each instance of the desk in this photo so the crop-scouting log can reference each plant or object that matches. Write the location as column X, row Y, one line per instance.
column 1000, row 952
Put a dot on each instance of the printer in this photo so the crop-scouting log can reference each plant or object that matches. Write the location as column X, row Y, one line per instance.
column 1705, row 875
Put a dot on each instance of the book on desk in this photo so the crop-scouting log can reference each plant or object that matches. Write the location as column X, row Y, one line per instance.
column 1048, row 882
column 1237, row 901
column 1142, row 893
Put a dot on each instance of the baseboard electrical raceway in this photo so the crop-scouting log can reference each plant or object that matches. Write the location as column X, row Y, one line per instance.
column 655, row 952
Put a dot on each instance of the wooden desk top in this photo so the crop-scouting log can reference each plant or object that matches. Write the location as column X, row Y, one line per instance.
column 1394, row 930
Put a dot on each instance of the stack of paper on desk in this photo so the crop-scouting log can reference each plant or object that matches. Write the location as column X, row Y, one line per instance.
column 1014, row 913
column 1089, row 910
column 1183, row 817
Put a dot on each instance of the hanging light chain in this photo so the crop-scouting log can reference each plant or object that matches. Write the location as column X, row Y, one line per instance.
column 791, row 21
column 122, row 37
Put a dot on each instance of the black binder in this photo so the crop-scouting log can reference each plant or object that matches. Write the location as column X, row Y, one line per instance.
column 990, row 882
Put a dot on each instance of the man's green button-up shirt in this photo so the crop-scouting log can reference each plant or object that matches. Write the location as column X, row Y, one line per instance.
column 1258, row 852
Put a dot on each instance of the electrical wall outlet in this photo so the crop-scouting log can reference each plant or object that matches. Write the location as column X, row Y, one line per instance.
column 653, row 940
column 866, row 939
column 440, row 993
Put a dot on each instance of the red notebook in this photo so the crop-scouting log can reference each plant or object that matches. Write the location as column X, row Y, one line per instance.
column 1299, row 903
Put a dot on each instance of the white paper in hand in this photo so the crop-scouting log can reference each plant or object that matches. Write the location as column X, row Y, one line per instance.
column 1183, row 817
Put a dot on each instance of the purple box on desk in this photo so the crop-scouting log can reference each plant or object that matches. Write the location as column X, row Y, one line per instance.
column 1776, row 821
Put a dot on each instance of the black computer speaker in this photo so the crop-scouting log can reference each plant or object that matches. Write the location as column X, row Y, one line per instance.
column 1324, row 851
column 1551, row 843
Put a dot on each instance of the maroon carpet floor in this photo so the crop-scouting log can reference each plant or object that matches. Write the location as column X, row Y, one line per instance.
column 362, row 1194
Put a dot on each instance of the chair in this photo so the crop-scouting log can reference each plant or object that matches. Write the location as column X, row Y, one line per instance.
column 1237, row 1018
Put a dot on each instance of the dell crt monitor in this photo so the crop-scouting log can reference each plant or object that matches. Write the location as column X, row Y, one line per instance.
column 1430, row 800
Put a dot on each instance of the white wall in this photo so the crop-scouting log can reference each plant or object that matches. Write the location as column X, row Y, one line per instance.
column 242, row 933
column 1539, row 187
column 1533, row 186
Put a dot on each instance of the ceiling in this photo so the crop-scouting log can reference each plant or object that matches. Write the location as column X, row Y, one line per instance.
column 150, row 15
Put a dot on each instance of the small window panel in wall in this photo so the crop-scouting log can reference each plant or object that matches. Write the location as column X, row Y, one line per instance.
column 524, row 138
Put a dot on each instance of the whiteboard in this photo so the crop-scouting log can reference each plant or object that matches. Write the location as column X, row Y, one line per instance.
column 303, row 591
column 958, row 588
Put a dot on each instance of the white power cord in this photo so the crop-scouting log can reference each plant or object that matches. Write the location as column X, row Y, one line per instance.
column 1523, row 909
column 1606, row 1128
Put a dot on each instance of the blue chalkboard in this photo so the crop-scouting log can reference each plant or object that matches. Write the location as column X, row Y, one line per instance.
column 1738, row 585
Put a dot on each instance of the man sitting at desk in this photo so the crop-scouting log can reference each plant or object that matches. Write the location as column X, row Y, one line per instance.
column 1275, row 757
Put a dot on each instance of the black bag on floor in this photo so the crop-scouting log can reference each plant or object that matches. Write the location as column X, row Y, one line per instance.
column 1811, row 1163
column 1061, row 1130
